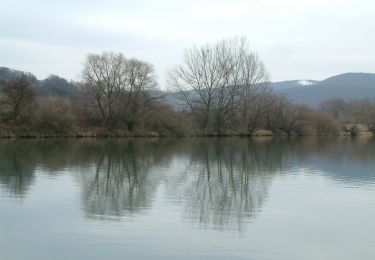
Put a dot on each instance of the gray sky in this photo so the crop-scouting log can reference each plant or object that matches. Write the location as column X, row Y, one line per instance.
column 297, row 39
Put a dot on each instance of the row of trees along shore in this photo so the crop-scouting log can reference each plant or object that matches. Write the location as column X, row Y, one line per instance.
column 218, row 89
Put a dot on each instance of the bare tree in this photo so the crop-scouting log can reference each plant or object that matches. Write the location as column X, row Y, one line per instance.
column 338, row 108
column 141, row 82
column 286, row 117
column 115, row 84
column 197, row 80
column 213, row 80
column 364, row 113
column 254, row 109
column 19, row 94
column 256, row 93
column 105, row 77
column 349, row 113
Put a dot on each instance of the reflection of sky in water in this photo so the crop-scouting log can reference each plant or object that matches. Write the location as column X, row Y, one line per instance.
column 187, row 198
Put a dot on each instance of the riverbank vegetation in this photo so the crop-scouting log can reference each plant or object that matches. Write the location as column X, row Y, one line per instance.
column 218, row 90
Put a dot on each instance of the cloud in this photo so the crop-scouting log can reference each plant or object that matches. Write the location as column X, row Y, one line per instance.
column 42, row 59
column 303, row 3
column 54, row 36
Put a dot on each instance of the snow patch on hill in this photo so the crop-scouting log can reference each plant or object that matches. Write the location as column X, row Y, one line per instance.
column 306, row 82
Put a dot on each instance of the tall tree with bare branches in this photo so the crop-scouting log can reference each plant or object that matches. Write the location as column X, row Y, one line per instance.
column 216, row 81
column 116, row 85
column 19, row 94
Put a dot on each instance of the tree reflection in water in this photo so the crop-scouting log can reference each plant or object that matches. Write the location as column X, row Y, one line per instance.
column 219, row 182
column 120, row 182
column 16, row 171
column 226, row 180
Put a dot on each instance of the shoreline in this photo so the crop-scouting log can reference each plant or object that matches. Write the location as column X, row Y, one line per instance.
column 104, row 135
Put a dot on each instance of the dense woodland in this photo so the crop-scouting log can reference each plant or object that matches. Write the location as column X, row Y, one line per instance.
column 220, row 89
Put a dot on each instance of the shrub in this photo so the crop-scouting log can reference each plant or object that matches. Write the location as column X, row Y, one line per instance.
column 54, row 116
column 165, row 121
column 325, row 124
column 19, row 94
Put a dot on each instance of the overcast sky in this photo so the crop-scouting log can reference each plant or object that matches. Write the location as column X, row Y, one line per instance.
column 297, row 39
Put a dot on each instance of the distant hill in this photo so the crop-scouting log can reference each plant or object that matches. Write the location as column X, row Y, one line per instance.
column 347, row 86
column 57, row 86
column 312, row 92
column 7, row 74
column 51, row 86
column 283, row 85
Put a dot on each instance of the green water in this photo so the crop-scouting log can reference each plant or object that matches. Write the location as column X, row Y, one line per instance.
column 199, row 198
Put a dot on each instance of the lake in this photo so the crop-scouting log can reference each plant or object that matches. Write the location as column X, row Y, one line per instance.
column 188, row 198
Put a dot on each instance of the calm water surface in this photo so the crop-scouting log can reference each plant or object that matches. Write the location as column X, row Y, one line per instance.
column 204, row 198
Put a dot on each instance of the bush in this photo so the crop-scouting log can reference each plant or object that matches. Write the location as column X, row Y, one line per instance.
column 19, row 95
column 325, row 124
column 165, row 121
column 54, row 116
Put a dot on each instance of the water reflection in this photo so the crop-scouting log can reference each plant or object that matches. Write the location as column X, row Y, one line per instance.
column 219, row 182
column 225, row 180
column 119, row 181
column 16, row 170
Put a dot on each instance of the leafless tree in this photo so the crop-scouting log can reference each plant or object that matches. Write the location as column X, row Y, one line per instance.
column 338, row 108
column 350, row 113
column 364, row 112
column 105, row 77
column 141, row 83
column 214, row 80
column 256, row 93
column 19, row 94
column 286, row 117
column 254, row 108
column 322, row 123
column 115, row 84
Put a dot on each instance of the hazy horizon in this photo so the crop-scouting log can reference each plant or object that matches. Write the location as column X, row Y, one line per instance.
column 296, row 39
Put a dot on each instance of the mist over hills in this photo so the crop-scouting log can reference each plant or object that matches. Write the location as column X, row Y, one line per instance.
column 348, row 86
